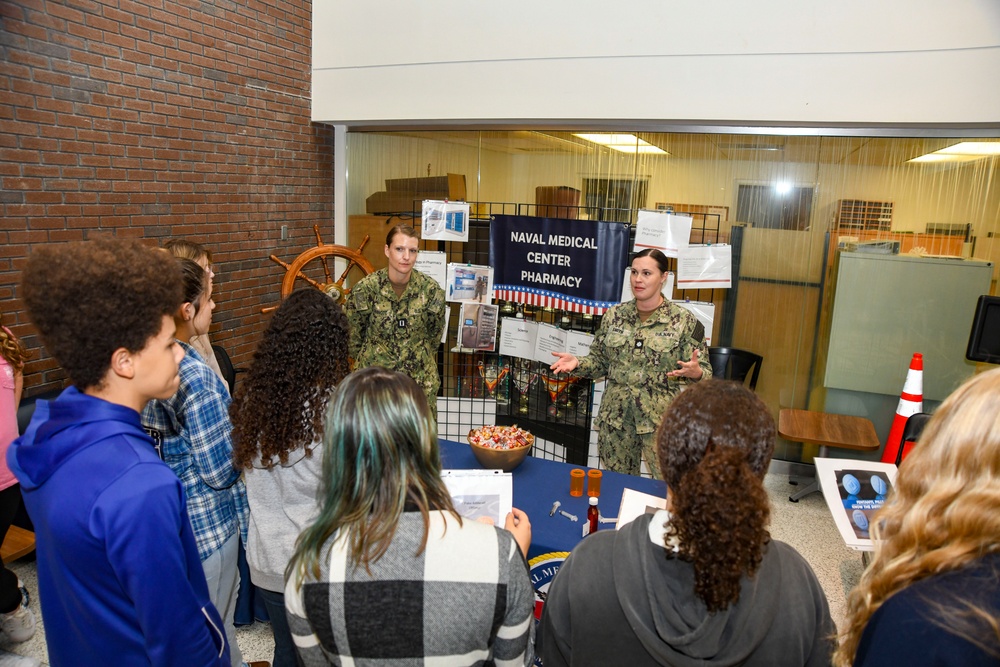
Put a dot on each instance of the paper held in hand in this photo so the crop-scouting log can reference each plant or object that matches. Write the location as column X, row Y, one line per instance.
column 478, row 493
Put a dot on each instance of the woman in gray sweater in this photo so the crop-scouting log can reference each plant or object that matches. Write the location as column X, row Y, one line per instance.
column 702, row 583
column 277, row 416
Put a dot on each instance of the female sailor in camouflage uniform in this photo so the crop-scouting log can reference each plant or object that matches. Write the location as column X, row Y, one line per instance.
column 397, row 316
column 641, row 348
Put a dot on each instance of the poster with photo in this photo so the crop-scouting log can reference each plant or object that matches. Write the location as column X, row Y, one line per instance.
column 854, row 490
column 477, row 326
column 469, row 282
column 444, row 221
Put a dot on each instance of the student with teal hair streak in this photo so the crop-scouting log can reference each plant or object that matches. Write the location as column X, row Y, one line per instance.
column 389, row 571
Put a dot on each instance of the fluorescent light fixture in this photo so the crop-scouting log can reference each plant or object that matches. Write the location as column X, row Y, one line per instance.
column 965, row 151
column 973, row 148
column 624, row 143
column 945, row 157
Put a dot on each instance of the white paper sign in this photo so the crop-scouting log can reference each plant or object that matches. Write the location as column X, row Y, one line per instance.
column 578, row 343
column 705, row 312
column 517, row 337
column 550, row 339
column 433, row 264
column 447, row 321
column 444, row 221
column 664, row 231
column 538, row 340
column 668, row 287
column 479, row 493
column 705, row 266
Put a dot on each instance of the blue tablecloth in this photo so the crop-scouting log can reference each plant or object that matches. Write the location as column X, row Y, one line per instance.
column 538, row 483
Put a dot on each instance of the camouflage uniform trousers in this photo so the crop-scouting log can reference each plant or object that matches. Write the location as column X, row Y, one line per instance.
column 620, row 450
column 636, row 356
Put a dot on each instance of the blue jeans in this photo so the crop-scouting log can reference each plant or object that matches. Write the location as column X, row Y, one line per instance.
column 284, row 648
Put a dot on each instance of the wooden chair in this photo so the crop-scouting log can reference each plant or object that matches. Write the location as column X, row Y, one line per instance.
column 730, row 363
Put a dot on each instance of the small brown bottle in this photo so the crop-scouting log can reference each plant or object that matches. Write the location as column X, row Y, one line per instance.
column 593, row 514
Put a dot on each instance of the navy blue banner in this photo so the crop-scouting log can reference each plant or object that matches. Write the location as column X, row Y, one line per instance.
column 575, row 265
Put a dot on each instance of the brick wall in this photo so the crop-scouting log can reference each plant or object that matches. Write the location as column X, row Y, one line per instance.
column 156, row 119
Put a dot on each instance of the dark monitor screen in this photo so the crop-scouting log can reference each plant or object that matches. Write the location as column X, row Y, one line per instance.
column 984, row 339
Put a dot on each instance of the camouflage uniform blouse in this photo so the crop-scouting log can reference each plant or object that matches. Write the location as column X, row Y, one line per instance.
column 399, row 333
column 636, row 357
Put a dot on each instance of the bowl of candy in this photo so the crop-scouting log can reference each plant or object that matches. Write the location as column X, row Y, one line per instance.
column 500, row 447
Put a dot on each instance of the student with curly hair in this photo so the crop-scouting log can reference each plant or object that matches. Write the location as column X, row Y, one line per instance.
column 193, row 433
column 277, row 417
column 388, row 573
column 17, row 621
column 931, row 595
column 701, row 583
column 119, row 576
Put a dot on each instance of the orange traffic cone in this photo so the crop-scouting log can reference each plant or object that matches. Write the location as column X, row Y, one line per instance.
column 911, row 401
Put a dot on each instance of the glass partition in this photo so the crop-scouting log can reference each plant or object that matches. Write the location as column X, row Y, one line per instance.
column 787, row 204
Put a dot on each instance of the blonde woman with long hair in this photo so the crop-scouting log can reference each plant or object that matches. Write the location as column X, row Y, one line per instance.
column 931, row 595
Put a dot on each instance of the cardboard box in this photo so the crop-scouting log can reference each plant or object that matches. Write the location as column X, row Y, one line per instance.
column 406, row 195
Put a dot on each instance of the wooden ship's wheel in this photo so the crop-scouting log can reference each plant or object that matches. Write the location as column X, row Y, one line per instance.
column 313, row 267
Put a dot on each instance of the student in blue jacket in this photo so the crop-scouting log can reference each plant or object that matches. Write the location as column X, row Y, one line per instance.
column 119, row 577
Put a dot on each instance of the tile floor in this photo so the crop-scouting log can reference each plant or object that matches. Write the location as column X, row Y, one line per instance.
column 805, row 525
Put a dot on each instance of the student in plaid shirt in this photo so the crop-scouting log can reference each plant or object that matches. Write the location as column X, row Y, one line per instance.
column 389, row 574
column 193, row 433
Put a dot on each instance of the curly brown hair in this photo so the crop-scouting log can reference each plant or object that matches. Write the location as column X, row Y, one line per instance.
column 12, row 349
column 90, row 298
column 279, row 407
column 714, row 445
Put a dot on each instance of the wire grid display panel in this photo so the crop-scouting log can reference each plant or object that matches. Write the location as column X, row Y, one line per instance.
column 479, row 387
